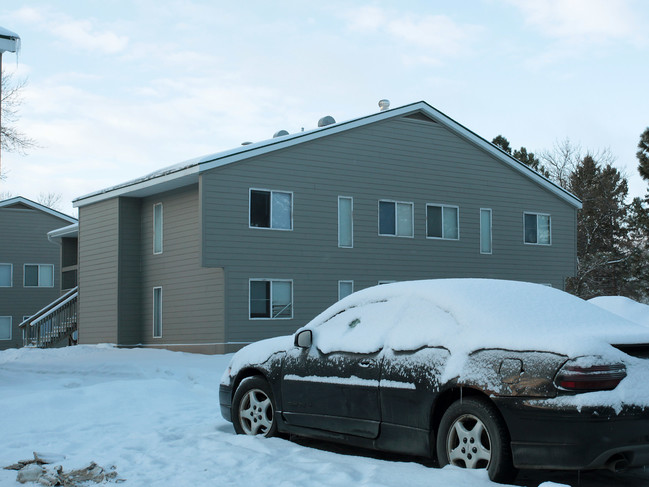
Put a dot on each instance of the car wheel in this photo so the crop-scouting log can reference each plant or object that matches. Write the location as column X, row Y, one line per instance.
column 254, row 408
column 472, row 434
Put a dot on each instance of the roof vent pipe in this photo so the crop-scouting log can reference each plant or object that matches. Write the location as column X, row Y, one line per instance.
column 247, row 142
column 280, row 133
column 384, row 104
column 324, row 121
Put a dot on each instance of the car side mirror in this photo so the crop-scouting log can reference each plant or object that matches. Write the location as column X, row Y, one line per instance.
column 304, row 339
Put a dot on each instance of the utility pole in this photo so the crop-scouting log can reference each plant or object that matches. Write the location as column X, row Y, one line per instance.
column 9, row 42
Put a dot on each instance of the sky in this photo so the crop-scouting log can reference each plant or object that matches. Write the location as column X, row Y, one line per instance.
column 118, row 89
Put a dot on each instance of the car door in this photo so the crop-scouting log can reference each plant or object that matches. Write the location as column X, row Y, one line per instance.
column 335, row 389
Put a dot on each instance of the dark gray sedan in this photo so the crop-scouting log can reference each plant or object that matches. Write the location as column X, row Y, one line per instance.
column 476, row 373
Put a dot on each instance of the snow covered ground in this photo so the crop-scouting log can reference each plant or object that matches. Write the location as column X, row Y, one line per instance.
column 154, row 415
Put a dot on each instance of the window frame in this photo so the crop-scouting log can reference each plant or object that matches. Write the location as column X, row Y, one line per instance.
column 537, row 214
column 11, row 274
column 396, row 218
column 11, row 325
column 351, row 218
column 491, row 247
column 153, row 308
column 271, row 280
column 155, row 251
column 39, row 275
column 457, row 221
column 345, row 281
column 270, row 214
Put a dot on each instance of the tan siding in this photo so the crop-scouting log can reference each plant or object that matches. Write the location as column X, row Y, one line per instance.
column 98, row 271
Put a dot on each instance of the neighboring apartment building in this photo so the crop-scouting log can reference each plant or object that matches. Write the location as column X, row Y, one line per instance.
column 252, row 243
column 29, row 263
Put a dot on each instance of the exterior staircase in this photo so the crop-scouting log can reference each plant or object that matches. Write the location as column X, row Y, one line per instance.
column 55, row 325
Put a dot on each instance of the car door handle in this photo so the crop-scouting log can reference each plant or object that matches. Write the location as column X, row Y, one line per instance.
column 365, row 363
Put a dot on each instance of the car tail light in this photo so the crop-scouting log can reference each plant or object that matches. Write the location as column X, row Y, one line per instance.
column 578, row 376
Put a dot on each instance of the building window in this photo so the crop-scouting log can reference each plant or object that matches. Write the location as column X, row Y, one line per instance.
column 271, row 299
column 537, row 228
column 395, row 218
column 157, row 228
column 345, row 222
column 443, row 221
column 39, row 275
column 271, row 209
column 157, row 312
column 485, row 230
column 6, row 275
column 345, row 288
column 5, row 327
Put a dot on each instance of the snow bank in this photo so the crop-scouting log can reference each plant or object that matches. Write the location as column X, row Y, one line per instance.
column 154, row 415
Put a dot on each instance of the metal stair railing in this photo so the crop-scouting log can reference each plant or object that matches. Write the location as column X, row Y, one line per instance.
column 55, row 321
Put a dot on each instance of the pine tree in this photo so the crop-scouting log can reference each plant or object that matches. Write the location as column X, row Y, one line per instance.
column 643, row 155
column 602, row 253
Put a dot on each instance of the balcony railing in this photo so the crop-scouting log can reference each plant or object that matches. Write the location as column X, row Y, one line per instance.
column 53, row 323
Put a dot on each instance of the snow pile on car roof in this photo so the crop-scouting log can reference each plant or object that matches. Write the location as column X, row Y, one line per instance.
column 624, row 307
column 464, row 315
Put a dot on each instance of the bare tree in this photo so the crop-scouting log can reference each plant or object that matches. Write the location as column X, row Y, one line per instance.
column 51, row 200
column 12, row 140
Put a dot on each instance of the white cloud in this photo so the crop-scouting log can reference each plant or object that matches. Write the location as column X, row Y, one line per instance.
column 84, row 34
column 579, row 21
column 436, row 36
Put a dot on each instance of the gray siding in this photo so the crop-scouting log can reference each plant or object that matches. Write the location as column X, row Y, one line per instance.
column 129, row 300
column 397, row 159
column 192, row 296
column 98, row 271
column 23, row 240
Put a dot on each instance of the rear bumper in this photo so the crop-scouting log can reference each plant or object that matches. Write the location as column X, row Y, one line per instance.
column 567, row 438
column 225, row 401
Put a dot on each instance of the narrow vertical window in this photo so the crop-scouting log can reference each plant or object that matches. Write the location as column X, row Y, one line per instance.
column 345, row 222
column 157, row 312
column 345, row 288
column 157, row 228
column 5, row 327
column 485, row 230
column 6, row 275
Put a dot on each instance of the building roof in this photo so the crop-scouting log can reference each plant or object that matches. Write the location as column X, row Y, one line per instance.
column 187, row 172
column 9, row 41
column 20, row 203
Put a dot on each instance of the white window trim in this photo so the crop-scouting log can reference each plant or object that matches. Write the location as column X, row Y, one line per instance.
column 271, row 298
column 352, row 226
column 11, row 326
column 396, row 220
column 491, row 231
column 271, row 191
column 153, row 315
column 549, row 215
column 161, row 228
column 442, row 206
column 39, row 275
column 11, row 274
column 345, row 281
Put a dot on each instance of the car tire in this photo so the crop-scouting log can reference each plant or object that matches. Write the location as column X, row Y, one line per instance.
column 472, row 434
column 253, row 408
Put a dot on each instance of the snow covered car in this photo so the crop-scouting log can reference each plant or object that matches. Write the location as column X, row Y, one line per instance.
column 478, row 373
